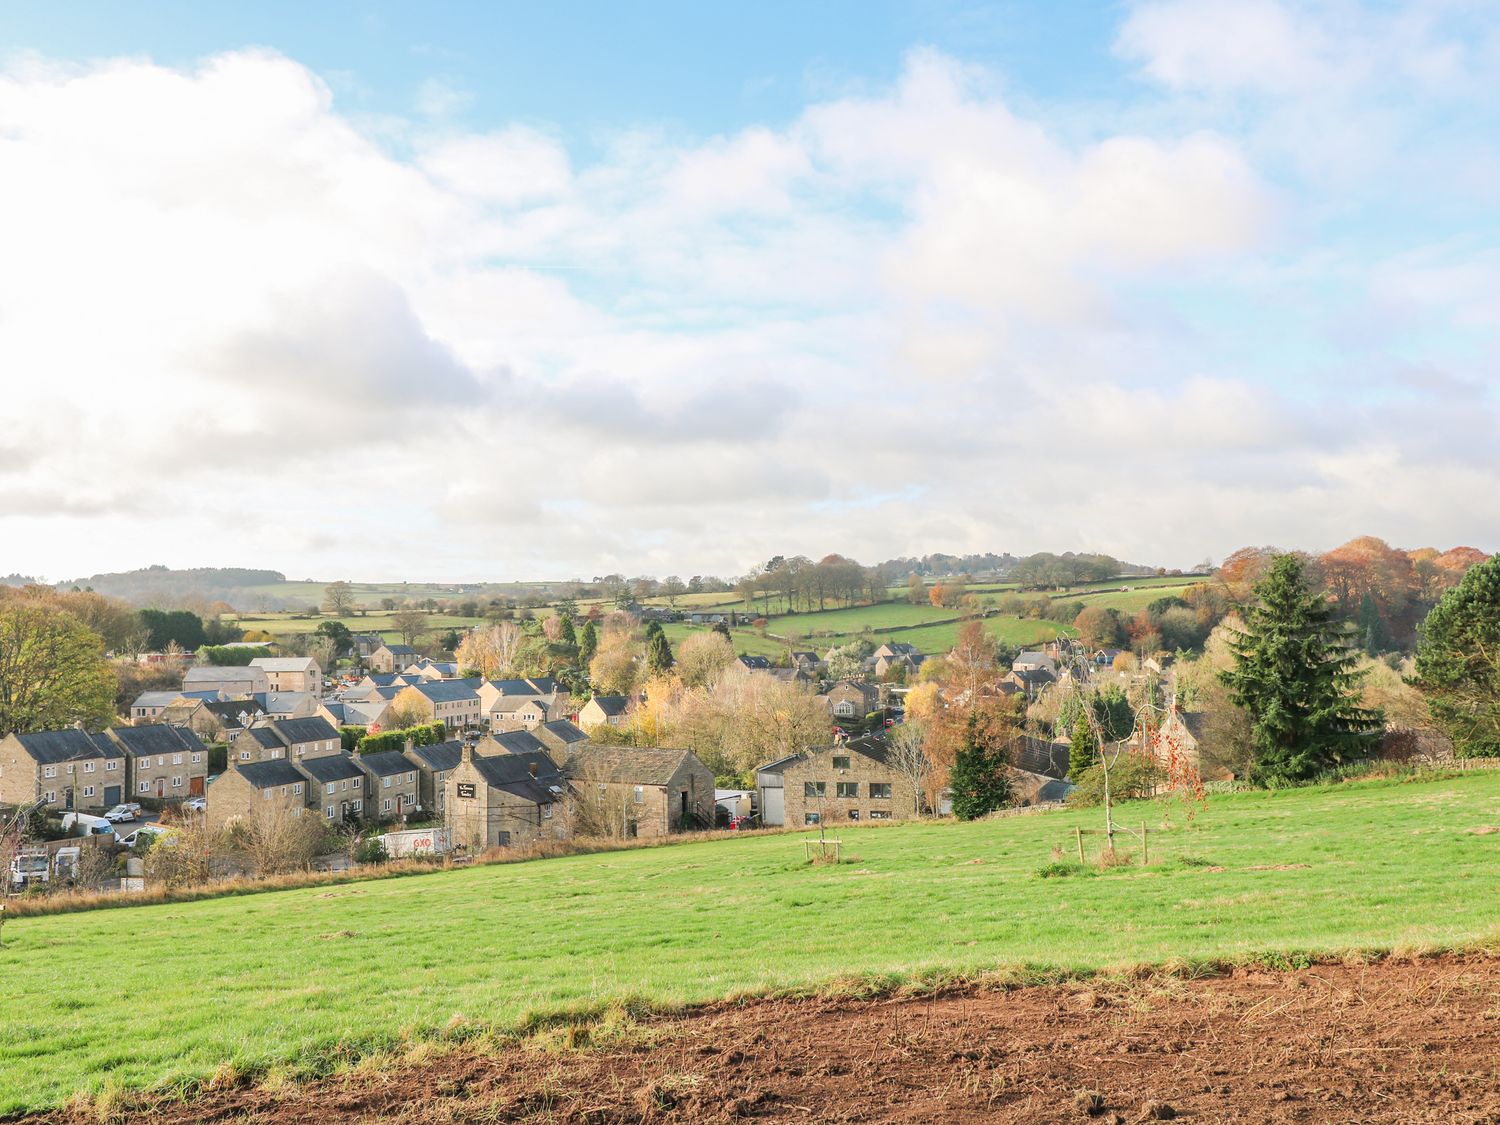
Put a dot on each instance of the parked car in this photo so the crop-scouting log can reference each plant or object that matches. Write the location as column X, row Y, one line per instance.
column 121, row 813
column 196, row 804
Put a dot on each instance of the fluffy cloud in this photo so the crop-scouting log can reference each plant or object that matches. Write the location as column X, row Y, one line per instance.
column 911, row 320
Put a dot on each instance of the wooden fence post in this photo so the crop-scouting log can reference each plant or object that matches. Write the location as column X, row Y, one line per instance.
column 1078, row 834
column 1145, row 847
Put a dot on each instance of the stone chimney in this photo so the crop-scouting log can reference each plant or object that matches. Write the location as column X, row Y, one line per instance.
column 468, row 752
column 410, row 744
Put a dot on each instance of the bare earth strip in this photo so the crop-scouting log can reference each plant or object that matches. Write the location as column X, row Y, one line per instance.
column 1396, row 1041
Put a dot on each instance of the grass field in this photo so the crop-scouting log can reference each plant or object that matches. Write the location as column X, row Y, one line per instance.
column 152, row 996
column 376, row 621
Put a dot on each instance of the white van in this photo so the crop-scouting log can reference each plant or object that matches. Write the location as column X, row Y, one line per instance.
column 91, row 825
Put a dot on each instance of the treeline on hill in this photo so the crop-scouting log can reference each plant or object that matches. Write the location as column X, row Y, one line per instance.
column 161, row 585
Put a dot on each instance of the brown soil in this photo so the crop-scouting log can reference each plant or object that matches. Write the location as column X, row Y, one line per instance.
column 1398, row 1041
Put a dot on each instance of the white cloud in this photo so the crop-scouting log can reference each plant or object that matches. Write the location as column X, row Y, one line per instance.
column 907, row 321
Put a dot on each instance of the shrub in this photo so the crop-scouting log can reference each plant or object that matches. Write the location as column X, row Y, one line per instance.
column 1131, row 776
column 370, row 850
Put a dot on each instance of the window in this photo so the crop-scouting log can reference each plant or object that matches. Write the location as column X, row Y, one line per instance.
column 267, row 794
column 88, row 767
column 112, row 764
column 177, row 783
column 88, row 790
column 385, row 783
column 843, row 708
column 880, row 790
column 640, row 794
column 49, row 771
column 840, row 762
column 177, row 759
column 146, row 787
column 385, row 805
column 814, row 788
column 297, row 789
column 330, row 788
column 848, row 789
column 853, row 814
column 328, row 812
column 244, row 755
column 812, row 818
column 197, row 758
column 52, row 796
column 357, row 806
column 880, row 814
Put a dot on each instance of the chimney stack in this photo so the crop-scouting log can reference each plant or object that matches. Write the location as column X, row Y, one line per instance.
column 411, row 744
column 468, row 752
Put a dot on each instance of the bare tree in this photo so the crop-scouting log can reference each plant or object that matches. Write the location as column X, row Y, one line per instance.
column 280, row 839
column 906, row 753
column 491, row 651
column 410, row 623
column 338, row 598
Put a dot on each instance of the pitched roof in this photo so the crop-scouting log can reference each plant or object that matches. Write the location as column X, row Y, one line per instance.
column 233, row 708
column 518, row 742
column 284, row 663
column 264, row 775
column 219, row 672
column 263, row 735
column 612, row 704
column 156, row 698
column 159, row 738
column 387, row 763
column 48, row 747
column 333, row 767
column 532, row 776
column 756, row 663
column 565, row 731
column 545, row 685
column 315, row 729
column 440, row 757
column 399, row 650
column 625, row 765
column 1037, row 755
column 513, row 687
column 510, row 704
column 445, row 691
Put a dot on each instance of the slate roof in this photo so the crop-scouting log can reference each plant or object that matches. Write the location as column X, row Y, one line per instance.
column 230, row 710
column 440, row 757
column 565, row 731
column 283, row 663
column 264, row 775
column 514, row 687
column 518, row 742
column 387, row 763
column 159, row 738
column 1037, row 755
column 265, row 736
column 612, row 704
column 49, row 747
column 626, row 765
column 513, row 773
column 156, row 698
column 399, row 650
column 510, row 704
column 333, row 767
column 315, row 729
column 445, row 691
column 755, row 663
column 218, row 672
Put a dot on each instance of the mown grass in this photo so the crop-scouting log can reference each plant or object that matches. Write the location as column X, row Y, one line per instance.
column 154, row 996
column 376, row 621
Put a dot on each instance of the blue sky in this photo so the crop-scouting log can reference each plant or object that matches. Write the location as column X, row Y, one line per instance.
column 554, row 290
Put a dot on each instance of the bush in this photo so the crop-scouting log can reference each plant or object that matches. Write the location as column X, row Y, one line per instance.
column 428, row 734
column 1131, row 776
column 370, row 850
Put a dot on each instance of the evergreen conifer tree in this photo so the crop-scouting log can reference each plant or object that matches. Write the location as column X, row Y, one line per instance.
column 978, row 779
column 588, row 643
column 1294, row 674
column 658, row 653
column 1083, row 751
column 1458, row 662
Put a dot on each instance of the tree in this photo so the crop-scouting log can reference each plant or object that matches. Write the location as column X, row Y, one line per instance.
column 702, row 658
column 906, row 754
column 1294, row 674
column 1458, row 662
column 916, row 590
column 410, row 623
column 673, row 587
column 658, row 654
column 588, row 643
column 614, row 669
column 1100, row 627
column 338, row 635
column 1083, row 750
column 978, row 779
column 180, row 627
column 493, row 651
column 1112, row 713
column 338, row 598
column 52, row 671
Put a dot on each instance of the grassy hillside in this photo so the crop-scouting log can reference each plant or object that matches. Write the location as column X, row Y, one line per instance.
column 375, row 622
column 156, row 995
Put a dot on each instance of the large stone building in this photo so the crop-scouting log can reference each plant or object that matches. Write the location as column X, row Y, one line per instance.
column 165, row 763
column 229, row 681
column 67, row 769
column 632, row 791
column 838, row 784
column 504, row 800
column 291, row 673
column 273, row 787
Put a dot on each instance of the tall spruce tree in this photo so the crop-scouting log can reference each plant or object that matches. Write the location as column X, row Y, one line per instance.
column 588, row 644
column 1083, row 750
column 1458, row 662
column 1294, row 675
column 658, row 653
column 978, row 779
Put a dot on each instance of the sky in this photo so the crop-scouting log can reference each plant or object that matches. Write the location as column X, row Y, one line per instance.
column 488, row 291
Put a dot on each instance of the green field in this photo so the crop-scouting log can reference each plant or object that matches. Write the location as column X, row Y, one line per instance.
column 376, row 621
column 159, row 995
column 1127, row 601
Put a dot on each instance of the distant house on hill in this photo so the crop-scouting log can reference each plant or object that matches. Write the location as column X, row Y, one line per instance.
column 604, row 710
column 392, row 657
column 643, row 792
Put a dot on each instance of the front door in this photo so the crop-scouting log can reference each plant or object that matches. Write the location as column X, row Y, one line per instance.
column 161, row 788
